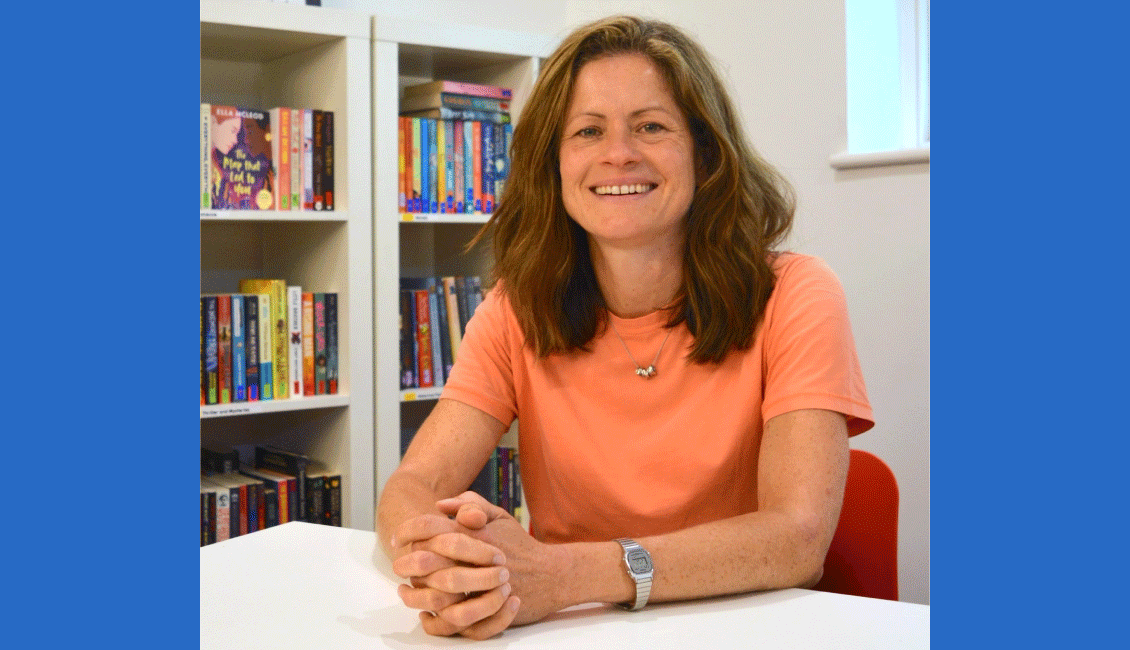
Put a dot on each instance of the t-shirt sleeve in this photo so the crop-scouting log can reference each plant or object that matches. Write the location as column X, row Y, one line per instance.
column 810, row 355
column 482, row 375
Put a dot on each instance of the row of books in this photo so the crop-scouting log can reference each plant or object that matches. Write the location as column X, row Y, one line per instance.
column 499, row 481
column 276, row 159
column 279, row 486
column 433, row 317
column 270, row 341
column 454, row 143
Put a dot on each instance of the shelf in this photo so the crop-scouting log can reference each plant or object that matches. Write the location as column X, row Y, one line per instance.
column 274, row 406
column 275, row 216
column 420, row 394
column 431, row 217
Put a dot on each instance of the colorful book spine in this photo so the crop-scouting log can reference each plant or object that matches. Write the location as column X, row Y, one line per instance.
column 205, row 149
column 477, row 163
column 296, row 165
column 427, row 165
column 251, row 334
column 468, row 167
column 211, row 349
column 417, row 176
column 319, row 159
column 224, row 370
column 440, row 166
column 441, row 333
column 328, row 161
column 445, row 113
column 308, row 385
column 266, row 346
column 434, row 323
column 449, row 165
column 319, row 343
column 400, row 166
column 294, row 340
column 280, row 332
column 280, row 152
column 488, row 167
column 407, row 341
column 433, row 165
column 460, row 193
column 307, row 159
column 423, row 339
column 331, row 344
column 453, row 329
column 239, row 350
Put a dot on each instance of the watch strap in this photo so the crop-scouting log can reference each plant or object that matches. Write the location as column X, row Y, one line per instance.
column 642, row 580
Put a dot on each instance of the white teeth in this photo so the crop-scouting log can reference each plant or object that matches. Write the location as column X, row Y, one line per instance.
column 638, row 188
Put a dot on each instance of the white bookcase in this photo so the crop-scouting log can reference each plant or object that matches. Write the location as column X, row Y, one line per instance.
column 262, row 55
column 404, row 53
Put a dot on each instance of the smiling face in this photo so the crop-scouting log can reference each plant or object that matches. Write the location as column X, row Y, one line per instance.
column 627, row 155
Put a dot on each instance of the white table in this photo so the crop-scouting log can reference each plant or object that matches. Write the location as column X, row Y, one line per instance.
column 307, row 586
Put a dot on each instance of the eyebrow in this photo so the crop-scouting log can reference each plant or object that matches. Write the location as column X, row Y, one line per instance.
column 635, row 113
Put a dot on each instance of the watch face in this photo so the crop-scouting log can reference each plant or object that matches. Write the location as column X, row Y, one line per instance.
column 639, row 561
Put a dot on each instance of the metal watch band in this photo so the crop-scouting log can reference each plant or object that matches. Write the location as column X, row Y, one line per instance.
column 642, row 579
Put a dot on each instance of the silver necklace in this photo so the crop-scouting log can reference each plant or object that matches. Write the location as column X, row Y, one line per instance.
column 646, row 373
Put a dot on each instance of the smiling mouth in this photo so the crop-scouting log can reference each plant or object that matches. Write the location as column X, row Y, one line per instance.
column 637, row 188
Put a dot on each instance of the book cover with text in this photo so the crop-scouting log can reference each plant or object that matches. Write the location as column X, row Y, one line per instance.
column 242, row 173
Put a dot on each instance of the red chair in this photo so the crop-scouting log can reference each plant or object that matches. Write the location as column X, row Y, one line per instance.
column 863, row 558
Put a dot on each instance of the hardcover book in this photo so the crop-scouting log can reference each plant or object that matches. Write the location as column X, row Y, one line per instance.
column 453, row 101
column 459, row 88
column 242, row 170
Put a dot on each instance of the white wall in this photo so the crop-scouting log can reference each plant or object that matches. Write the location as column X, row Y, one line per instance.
column 786, row 66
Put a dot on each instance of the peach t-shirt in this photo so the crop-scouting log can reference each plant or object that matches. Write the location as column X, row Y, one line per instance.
column 606, row 454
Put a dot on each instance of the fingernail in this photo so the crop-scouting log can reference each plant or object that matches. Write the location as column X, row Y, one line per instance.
column 503, row 575
column 499, row 560
column 506, row 589
column 513, row 604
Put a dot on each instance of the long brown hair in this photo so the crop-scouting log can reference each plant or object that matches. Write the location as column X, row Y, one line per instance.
column 741, row 209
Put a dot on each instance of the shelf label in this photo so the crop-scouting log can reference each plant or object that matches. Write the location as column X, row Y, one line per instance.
column 232, row 409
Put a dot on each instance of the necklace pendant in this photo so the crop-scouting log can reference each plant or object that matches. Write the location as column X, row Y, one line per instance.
column 646, row 373
column 641, row 372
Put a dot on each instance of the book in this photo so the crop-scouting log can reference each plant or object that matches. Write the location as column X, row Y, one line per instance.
column 468, row 166
column 428, row 162
column 477, row 163
column 294, row 339
column 223, row 349
column 308, row 385
column 239, row 350
column 286, row 486
column 221, row 515
column 268, row 497
column 287, row 462
column 488, row 166
column 266, row 347
column 207, row 516
column 407, row 341
column 454, row 101
column 449, row 166
column 319, row 145
column 280, row 153
column 208, row 306
column 331, row 344
column 461, row 298
column 279, row 349
column 242, row 170
column 315, row 500
column 417, row 200
column 434, row 324
column 205, row 150
column 474, row 295
column 454, row 331
column 440, row 166
column 332, row 494
column 328, row 161
column 296, row 163
column 423, row 339
column 444, row 113
column 235, row 506
column 460, row 193
column 401, row 166
column 307, row 159
column 251, row 336
column 459, row 88
column 203, row 348
column 441, row 339
column 319, row 343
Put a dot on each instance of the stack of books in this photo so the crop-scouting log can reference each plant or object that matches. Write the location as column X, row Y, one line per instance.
column 276, row 159
column 270, row 341
column 433, row 317
column 279, row 486
column 454, row 141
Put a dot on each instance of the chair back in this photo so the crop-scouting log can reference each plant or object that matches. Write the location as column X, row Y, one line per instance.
column 863, row 557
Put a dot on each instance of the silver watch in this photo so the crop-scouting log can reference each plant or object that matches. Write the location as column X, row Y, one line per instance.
column 640, row 569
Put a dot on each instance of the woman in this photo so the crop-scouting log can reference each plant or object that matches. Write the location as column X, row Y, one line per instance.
column 684, row 394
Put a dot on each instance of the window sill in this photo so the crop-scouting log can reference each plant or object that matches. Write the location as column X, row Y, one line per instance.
column 880, row 158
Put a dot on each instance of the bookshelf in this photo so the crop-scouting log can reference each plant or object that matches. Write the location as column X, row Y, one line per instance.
column 263, row 55
column 421, row 245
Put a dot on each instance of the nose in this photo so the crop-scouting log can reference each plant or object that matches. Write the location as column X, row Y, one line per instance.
column 619, row 146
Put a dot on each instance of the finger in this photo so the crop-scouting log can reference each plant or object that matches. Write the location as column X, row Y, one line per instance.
column 420, row 563
column 471, row 515
column 496, row 623
column 460, row 580
column 420, row 528
column 427, row 599
column 467, row 612
column 463, row 548
column 451, row 506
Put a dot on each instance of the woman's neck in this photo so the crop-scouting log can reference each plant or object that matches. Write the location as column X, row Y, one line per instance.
column 637, row 281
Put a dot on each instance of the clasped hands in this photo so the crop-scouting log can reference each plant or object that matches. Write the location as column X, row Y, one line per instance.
column 472, row 570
